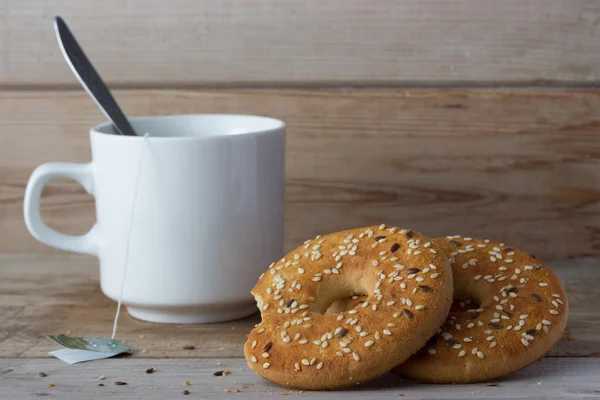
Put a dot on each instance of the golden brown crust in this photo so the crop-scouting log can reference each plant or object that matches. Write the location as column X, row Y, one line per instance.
column 296, row 345
column 522, row 313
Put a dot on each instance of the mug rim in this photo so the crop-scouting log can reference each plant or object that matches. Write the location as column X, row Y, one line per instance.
column 279, row 125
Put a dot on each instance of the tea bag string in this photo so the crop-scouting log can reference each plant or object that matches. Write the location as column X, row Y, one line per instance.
column 127, row 241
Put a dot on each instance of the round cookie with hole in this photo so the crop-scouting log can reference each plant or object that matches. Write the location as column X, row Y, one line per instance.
column 510, row 309
column 407, row 283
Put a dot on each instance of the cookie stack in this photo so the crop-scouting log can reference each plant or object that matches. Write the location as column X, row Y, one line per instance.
column 347, row 307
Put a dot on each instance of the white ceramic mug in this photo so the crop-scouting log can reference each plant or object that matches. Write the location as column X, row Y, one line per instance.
column 208, row 216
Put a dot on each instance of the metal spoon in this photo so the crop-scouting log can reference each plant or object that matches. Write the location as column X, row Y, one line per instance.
column 89, row 78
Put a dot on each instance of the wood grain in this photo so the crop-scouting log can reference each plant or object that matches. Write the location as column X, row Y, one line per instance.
column 516, row 166
column 557, row 378
column 231, row 42
column 44, row 294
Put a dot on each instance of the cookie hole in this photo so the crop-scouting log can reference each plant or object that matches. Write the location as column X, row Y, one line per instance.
column 462, row 306
column 346, row 303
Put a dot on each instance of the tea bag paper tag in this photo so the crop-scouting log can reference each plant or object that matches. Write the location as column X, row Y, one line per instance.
column 86, row 349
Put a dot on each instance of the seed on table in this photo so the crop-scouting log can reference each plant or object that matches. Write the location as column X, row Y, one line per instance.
column 218, row 373
column 189, row 347
column 120, row 383
column 150, row 370
column 50, row 385
column 100, row 384
column 186, row 383
column 185, row 392
column 43, row 374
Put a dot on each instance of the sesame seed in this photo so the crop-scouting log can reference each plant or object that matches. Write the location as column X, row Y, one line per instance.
column 525, row 342
column 467, row 340
column 462, row 353
column 266, row 365
column 477, row 277
column 261, row 330
column 300, row 270
column 254, row 359
column 554, row 312
column 432, row 351
column 254, row 344
column 419, row 307
column 480, row 355
column 305, row 362
column 546, row 322
column 265, row 355
column 320, row 365
column 543, row 284
column 369, row 343
column 407, row 313
column 375, row 263
column 356, row 357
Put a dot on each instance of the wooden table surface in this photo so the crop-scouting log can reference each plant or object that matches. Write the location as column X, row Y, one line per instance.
column 59, row 293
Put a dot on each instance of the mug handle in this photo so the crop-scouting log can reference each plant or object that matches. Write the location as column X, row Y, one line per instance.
column 81, row 173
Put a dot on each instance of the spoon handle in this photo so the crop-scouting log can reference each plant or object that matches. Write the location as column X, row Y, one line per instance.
column 89, row 78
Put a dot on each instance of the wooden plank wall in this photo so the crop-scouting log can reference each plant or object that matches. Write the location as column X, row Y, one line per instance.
column 472, row 116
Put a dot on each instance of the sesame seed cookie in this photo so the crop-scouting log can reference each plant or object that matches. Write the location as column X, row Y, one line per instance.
column 515, row 311
column 407, row 281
